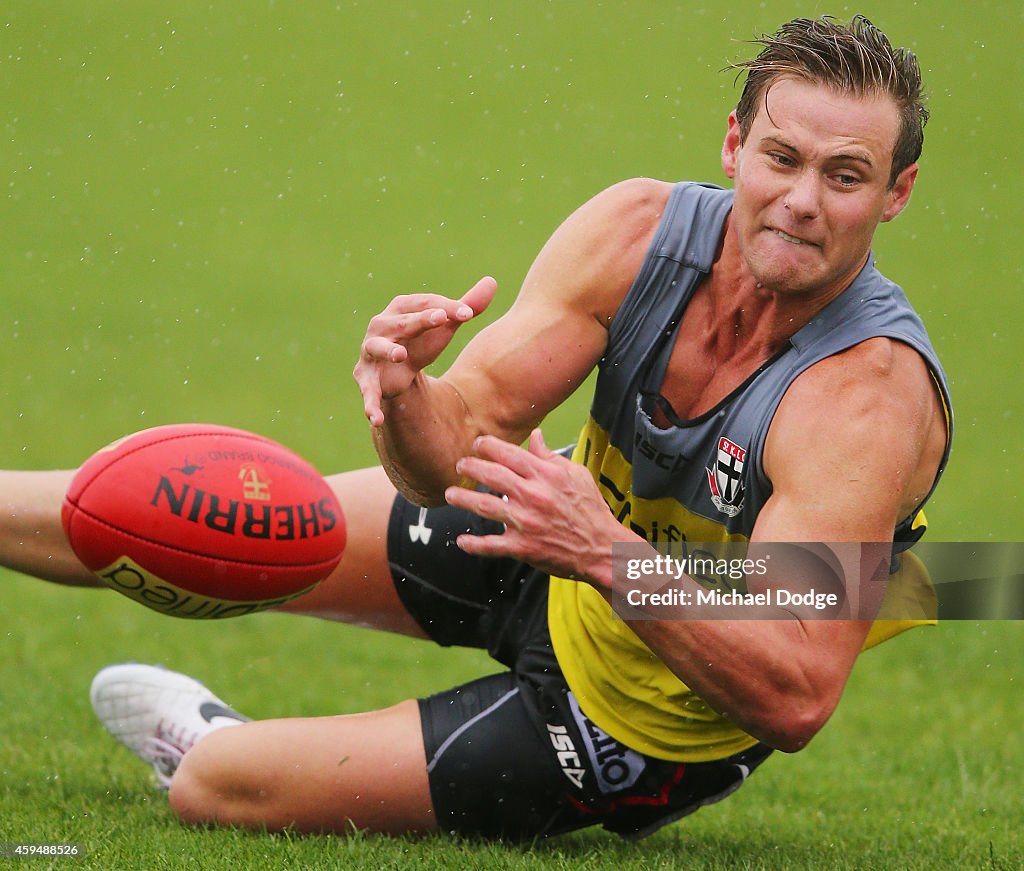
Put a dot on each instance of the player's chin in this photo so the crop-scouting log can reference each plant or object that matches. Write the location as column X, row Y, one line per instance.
column 786, row 279
column 801, row 270
column 782, row 271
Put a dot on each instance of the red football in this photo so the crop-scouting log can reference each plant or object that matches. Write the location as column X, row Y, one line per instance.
column 203, row 521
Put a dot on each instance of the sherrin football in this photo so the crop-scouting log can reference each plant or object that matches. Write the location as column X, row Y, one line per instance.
column 203, row 521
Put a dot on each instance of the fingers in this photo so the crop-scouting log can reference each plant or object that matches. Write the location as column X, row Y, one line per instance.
column 396, row 324
column 411, row 315
column 379, row 349
column 541, row 506
column 371, row 402
column 492, row 475
column 532, row 485
column 498, row 465
column 486, row 545
column 407, row 336
column 479, row 296
column 503, row 466
column 537, row 446
column 480, row 502
column 505, row 455
column 417, row 302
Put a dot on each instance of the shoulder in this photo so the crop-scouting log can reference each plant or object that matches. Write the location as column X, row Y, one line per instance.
column 878, row 369
column 590, row 261
column 640, row 198
column 625, row 214
column 864, row 426
column 877, row 381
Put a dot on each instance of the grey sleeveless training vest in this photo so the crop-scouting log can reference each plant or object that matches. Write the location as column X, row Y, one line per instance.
column 712, row 464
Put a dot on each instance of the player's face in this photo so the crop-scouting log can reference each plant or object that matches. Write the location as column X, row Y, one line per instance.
column 811, row 184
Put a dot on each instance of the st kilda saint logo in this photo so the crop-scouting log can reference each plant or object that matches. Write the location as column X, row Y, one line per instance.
column 725, row 478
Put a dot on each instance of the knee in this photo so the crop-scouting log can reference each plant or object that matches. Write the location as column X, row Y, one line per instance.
column 209, row 787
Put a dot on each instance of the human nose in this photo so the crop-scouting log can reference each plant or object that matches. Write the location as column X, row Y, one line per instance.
column 803, row 199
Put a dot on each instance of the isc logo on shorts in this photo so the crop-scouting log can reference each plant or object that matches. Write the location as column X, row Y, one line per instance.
column 615, row 766
column 568, row 758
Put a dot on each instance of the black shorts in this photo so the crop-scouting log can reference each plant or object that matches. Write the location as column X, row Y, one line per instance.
column 512, row 755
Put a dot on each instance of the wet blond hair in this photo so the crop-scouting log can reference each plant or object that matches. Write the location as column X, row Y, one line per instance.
column 854, row 58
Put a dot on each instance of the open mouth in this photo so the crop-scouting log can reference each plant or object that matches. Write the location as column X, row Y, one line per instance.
column 789, row 238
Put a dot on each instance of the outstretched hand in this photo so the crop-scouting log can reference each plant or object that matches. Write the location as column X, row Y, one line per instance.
column 554, row 515
column 407, row 337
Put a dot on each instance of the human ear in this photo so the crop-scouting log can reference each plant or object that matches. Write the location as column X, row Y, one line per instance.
column 899, row 193
column 731, row 146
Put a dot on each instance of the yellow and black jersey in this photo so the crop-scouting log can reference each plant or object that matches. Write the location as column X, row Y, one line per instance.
column 700, row 480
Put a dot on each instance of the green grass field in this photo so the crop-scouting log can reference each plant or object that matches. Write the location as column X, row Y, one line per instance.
column 204, row 206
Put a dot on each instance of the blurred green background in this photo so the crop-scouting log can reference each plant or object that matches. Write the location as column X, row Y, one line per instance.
column 204, row 206
column 204, row 203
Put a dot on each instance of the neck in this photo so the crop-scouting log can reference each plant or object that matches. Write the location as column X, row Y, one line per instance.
column 748, row 314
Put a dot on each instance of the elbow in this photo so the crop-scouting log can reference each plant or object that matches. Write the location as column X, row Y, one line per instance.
column 787, row 714
column 426, row 495
column 422, row 497
column 790, row 727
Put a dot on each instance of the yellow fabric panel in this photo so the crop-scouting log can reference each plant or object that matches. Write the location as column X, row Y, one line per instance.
column 619, row 683
column 625, row 689
column 909, row 597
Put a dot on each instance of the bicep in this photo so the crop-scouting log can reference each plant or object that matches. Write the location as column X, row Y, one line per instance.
column 525, row 364
column 532, row 358
column 843, row 471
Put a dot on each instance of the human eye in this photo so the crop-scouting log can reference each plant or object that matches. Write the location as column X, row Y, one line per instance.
column 846, row 179
column 780, row 158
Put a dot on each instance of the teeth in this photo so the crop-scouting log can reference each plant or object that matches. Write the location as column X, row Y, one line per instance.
column 788, row 238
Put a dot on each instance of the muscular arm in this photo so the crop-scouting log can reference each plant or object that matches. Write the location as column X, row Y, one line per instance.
column 869, row 424
column 528, row 361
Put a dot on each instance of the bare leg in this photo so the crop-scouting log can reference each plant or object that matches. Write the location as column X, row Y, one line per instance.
column 322, row 774
column 361, row 590
column 32, row 539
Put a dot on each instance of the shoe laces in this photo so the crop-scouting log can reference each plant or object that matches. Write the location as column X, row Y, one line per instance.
column 165, row 750
column 165, row 758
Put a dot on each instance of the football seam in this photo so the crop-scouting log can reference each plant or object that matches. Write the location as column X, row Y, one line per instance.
column 191, row 553
column 228, row 431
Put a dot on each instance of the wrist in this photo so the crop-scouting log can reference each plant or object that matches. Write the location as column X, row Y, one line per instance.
column 601, row 575
column 418, row 442
column 394, row 400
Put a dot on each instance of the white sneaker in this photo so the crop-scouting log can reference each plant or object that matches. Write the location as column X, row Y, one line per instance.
column 157, row 714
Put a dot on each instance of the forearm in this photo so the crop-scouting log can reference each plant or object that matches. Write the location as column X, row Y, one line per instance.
column 32, row 540
column 426, row 430
column 776, row 667
column 759, row 674
column 778, row 676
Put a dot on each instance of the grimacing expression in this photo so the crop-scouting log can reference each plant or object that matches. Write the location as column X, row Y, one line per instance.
column 811, row 182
